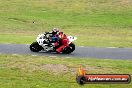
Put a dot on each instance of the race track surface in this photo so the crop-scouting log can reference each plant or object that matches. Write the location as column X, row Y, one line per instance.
column 82, row 52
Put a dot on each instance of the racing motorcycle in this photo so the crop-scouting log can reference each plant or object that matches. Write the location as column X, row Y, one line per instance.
column 41, row 45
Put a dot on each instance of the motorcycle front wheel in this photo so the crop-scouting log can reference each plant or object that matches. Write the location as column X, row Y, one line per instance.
column 69, row 49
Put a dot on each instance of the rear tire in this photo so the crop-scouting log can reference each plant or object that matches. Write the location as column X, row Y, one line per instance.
column 35, row 47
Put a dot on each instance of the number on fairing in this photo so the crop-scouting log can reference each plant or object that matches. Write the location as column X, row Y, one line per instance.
column 40, row 41
column 71, row 38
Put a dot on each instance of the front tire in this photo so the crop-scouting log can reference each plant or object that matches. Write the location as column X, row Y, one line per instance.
column 69, row 49
column 35, row 47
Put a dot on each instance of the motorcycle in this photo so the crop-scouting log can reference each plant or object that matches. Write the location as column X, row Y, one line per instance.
column 41, row 45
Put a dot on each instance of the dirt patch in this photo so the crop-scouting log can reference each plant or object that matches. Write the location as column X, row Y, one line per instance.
column 31, row 67
column 55, row 68
column 126, row 1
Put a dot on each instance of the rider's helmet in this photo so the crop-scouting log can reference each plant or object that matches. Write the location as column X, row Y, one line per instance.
column 55, row 31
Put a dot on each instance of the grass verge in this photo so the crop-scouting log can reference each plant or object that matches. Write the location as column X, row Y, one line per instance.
column 19, row 71
column 103, row 23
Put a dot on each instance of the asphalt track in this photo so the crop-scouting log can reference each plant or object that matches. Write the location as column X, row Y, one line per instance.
column 80, row 52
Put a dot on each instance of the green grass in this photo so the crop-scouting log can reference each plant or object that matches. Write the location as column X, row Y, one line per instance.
column 19, row 39
column 19, row 71
column 103, row 23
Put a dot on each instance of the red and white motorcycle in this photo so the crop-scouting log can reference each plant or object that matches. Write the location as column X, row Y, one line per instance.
column 40, row 44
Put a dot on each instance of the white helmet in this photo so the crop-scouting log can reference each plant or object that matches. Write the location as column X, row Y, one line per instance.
column 55, row 30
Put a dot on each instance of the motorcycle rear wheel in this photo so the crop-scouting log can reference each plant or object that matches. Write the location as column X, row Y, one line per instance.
column 35, row 47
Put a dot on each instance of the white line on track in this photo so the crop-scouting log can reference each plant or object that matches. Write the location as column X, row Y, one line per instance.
column 15, row 54
column 27, row 44
column 112, row 47
column 34, row 55
column 68, row 57
column 52, row 56
column 81, row 46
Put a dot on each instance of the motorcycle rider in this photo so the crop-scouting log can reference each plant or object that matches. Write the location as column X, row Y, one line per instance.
column 57, row 39
column 52, row 36
column 62, row 42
